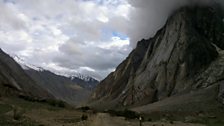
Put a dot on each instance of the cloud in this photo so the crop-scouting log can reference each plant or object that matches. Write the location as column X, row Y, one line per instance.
column 90, row 37
column 101, row 57
column 66, row 36
column 148, row 16
column 10, row 18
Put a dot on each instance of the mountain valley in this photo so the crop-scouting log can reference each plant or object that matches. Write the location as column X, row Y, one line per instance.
column 175, row 78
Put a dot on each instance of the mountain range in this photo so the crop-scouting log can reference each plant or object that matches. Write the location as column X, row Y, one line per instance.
column 20, row 79
column 82, row 80
column 180, row 69
column 15, row 82
column 74, row 89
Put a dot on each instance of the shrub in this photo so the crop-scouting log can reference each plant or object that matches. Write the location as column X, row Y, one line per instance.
column 56, row 103
column 61, row 104
column 130, row 114
column 84, row 117
column 84, row 108
column 149, row 120
column 125, row 113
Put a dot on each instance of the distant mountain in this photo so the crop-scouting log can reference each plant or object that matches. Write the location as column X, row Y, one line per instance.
column 180, row 69
column 15, row 82
column 85, row 81
column 26, row 66
column 71, row 89
column 61, row 87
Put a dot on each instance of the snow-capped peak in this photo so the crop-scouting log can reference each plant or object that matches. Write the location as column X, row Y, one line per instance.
column 82, row 77
column 27, row 66
column 24, row 65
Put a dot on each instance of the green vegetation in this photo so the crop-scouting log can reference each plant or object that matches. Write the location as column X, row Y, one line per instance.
column 16, row 118
column 21, row 112
column 5, row 108
column 52, row 102
column 16, row 111
column 128, row 114
column 84, row 108
column 84, row 117
column 211, row 121
column 56, row 103
column 8, row 121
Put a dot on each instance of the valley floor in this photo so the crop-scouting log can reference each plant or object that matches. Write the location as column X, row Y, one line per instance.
column 19, row 112
column 102, row 119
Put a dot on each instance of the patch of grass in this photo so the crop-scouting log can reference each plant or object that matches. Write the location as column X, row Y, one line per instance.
column 213, row 122
column 52, row 105
column 32, row 99
column 8, row 121
column 5, row 108
column 28, row 105
column 52, row 102
column 51, row 108
column 23, row 112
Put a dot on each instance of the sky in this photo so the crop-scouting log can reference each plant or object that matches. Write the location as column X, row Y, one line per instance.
column 90, row 37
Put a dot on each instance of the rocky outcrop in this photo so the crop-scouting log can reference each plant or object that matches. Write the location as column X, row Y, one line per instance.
column 221, row 92
column 184, row 56
column 15, row 82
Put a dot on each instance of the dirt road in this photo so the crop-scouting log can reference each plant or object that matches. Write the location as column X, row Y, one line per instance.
column 103, row 119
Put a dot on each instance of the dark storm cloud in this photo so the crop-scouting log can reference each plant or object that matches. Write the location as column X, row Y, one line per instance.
column 148, row 16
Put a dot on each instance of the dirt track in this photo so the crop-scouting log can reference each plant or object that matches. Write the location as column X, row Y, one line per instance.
column 103, row 119
column 65, row 118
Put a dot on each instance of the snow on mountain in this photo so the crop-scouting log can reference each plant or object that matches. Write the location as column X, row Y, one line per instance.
column 75, row 77
column 84, row 81
column 26, row 66
column 82, row 77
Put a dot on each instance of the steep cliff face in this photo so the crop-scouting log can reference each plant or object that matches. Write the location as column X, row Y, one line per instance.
column 14, row 81
column 184, row 56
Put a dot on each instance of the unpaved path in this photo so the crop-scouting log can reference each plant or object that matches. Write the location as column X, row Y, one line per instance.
column 103, row 119
column 67, row 118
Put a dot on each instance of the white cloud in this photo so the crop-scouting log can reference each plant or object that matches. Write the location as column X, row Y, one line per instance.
column 116, row 42
column 9, row 18
column 66, row 36
column 87, row 36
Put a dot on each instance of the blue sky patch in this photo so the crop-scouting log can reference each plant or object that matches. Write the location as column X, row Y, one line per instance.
column 120, row 35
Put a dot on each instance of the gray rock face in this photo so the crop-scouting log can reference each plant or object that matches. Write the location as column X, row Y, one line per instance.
column 221, row 92
column 185, row 55
column 14, row 81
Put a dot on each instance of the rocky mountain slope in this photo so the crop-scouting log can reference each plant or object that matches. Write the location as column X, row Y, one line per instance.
column 15, row 82
column 71, row 89
column 61, row 87
column 84, row 81
column 182, row 65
